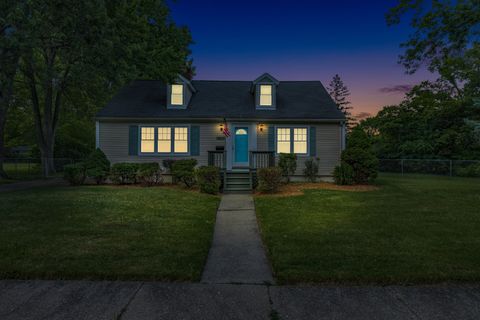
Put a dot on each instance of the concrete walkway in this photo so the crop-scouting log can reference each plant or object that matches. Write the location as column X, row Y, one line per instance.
column 237, row 254
column 24, row 185
column 32, row 300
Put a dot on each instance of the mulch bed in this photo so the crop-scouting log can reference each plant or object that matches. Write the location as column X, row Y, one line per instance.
column 297, row 188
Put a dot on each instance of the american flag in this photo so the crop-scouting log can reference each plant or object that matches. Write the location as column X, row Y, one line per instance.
column 225, row 130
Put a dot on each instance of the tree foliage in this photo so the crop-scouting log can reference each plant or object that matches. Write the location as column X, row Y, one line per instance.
column 75, row 54
column 340, row 94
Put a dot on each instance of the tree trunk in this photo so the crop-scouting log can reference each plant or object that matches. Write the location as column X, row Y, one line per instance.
column 47, row 157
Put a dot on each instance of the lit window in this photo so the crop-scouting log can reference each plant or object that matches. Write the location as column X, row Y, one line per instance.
column 292, row 140
column 300, row 140
column 265, row 95
column 177, row 95
column 181, row 140
column 283, row 140
column 164, row 140
column 148, row 140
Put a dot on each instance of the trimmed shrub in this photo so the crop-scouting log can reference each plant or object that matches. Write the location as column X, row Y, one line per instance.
column 184, row 171
column 168, row 163
column 288, row 164
column 98, row 166
column 311, row 169
column 124, row 173
column 75, row 174
column 472, row 170
column 149, row 174
column 360, row 156
column 208, row 179
column 343, row 174
column 269, row 179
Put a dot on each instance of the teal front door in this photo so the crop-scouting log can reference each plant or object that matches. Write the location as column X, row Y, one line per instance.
column 241, row 146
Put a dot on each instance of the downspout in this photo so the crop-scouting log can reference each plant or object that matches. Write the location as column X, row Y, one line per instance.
column 343, row 136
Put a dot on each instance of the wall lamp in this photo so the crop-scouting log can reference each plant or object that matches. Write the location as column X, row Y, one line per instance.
column 260, row 127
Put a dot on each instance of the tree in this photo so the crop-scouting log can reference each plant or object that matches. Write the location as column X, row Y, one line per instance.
column 446, row 39
column 340, row 93
column 112, row 42
column 11, row 18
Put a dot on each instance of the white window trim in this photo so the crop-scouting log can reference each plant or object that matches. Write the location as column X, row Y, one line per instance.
column 260, row 96
column 291, row 127
column 172, row 139
column 273, row 106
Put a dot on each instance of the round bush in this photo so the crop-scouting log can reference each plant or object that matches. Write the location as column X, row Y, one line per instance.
column 208, row 179
column 269, row 179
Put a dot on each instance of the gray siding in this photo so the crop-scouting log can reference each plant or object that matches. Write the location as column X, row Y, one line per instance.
column 328, row 141
column 113, row 140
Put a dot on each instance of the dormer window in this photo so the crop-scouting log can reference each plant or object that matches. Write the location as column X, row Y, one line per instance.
column 265, row 89
column 265, row 95
column 177, row 95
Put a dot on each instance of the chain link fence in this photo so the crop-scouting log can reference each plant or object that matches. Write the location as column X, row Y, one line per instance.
column 30, row 168
column 461, row 168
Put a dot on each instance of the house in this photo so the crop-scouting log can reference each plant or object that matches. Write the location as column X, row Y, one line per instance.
column 238, row 126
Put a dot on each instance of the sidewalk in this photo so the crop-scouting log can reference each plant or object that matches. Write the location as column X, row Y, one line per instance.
column 28, row 300
column 237, row 254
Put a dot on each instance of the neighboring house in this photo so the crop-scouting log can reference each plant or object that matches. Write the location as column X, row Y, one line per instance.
column 151, row 121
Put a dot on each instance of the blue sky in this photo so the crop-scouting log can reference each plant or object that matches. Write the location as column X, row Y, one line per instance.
column 301, row 40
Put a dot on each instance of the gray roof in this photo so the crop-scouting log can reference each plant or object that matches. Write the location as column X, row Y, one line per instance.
column 223, row 99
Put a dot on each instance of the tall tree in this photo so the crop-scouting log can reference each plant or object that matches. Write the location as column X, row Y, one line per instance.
column 74, row 42
column 11, row 18
column 340, row 94
column 446, row 39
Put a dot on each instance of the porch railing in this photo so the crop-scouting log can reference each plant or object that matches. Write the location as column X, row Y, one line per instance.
column 261, row 159
column 217, row 159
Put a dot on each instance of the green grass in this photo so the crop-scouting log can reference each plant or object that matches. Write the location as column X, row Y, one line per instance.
column 104, row 232
column 415, row 229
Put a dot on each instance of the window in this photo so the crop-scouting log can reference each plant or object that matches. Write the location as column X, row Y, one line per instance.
column 265, row 95
column 292, row 140
column 177, row 95
column 148, row 140
column 168, row 140
column 181, row 140
column 164, row 140
column 283, row 140
column 300, row 140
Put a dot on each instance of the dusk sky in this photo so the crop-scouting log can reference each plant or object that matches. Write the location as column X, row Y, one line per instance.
column 301, row 40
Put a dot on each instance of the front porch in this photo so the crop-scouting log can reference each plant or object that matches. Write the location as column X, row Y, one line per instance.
column 241, row 178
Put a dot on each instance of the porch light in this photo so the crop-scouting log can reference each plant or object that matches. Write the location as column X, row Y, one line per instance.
column 221, row 127
column 260, row 127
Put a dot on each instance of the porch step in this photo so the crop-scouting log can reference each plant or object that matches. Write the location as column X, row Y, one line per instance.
column 237, row 181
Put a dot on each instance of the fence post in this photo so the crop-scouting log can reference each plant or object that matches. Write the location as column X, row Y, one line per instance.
column 402, row 166
column 451, row 168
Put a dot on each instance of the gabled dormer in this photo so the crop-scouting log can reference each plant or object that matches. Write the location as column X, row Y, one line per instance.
column 179, row 93
column 265, row 90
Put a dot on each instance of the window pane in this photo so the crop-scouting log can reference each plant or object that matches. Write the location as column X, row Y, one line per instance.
column 177, row 94
column 164, row 144
column 265, row 89
column 181, row 139
column 177, row 88
column 283, row 140
column 300, row 140
column 147, row 140
column 265, row 100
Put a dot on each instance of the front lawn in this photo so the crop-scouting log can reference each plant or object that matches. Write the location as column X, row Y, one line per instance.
column 413, row 229
column 105, row 232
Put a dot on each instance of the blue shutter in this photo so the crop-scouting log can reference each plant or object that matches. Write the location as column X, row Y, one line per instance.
column 195, row 140
column 271, row 138
column 313, row 142
column 133, row 141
